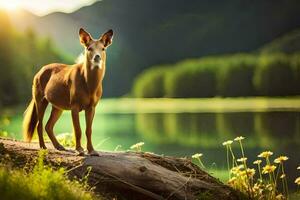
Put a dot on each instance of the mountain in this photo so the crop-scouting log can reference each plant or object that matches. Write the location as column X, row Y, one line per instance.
column 150, row 32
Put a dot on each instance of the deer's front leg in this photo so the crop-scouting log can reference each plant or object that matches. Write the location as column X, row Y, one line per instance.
column 89, row 116
column 77, row 130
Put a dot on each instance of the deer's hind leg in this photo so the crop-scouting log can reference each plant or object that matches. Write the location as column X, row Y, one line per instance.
column 55, row 114
column 41, row 106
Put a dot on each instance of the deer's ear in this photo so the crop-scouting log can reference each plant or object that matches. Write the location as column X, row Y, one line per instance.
column 107, row 37
column 85, row 37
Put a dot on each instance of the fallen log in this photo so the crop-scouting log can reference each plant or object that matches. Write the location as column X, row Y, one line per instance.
column 130, row 175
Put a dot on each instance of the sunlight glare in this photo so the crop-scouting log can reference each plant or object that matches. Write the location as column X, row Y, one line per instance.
column 9, row 4
column 43, row 7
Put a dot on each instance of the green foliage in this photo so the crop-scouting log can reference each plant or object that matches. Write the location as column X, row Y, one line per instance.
column 227, row 76
column 191, row 78
column 275, row 76
column 295, row 63
column 235, row 77
column 22, row 55
column 42, row 183
column 150, row 83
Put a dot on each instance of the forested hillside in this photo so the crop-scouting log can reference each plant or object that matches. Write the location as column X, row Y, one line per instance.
column 154, row 32
column 22, row 55
column 288, row 43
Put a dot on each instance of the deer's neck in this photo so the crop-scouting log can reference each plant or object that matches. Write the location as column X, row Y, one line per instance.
column 93, row 74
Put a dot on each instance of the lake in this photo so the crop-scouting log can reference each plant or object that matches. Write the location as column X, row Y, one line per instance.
column 184, row 127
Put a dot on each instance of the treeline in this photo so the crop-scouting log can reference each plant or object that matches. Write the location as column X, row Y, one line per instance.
column 21, row 56
column 227, row 76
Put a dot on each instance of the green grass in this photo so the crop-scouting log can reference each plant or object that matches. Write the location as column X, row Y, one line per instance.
column 221, row 174
column 41, row 183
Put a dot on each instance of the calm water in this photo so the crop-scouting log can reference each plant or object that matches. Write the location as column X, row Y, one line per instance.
column 183, row 134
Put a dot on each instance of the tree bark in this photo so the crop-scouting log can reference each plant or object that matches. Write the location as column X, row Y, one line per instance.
column 128, row 175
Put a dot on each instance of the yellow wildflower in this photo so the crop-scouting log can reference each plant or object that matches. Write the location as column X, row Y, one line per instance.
column 265, row 154
column 239, row 138
column 281, row 159
column 236, row 170
column 257, row 162
column 232, row 181
column 279, row 197
column 242, row 173
column 242, row 159
column 268, row 169
column 227, row 143
column 250, row 172
column 197, row 155
column 256, row 186
column 297, row 181
column 282, row 176
column 241, row 166
column 137, row 145
column 269, row 187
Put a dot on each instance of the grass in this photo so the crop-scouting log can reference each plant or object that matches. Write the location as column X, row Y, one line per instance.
column 42, row 182
column 205, row 196
column 220, row 174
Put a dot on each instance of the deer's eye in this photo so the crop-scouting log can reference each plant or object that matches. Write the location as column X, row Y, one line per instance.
column 89, row 49
column 103, row 49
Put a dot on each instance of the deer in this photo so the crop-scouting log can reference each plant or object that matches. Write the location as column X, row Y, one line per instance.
column 74, row 87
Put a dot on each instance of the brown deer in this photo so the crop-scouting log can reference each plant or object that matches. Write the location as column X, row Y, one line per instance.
column 76, row 88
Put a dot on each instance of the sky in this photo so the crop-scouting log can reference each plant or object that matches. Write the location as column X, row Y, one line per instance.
column 43, row 7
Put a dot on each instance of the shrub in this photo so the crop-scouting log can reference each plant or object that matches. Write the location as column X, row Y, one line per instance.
column 150, row 84
column 235, row 78
column 227, row 76
column 295, row 62
column 191, row 79
column 274, row 76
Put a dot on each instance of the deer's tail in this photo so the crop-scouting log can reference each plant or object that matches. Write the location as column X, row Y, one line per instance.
column 30, row 121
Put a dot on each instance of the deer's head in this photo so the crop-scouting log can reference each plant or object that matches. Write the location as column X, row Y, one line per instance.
column 95, row 48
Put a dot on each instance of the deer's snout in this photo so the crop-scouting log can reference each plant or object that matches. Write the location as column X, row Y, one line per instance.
column 97, row 58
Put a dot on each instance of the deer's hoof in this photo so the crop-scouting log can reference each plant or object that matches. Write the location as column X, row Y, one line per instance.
column 80, row 152
column 60, row 148
column 94, row 153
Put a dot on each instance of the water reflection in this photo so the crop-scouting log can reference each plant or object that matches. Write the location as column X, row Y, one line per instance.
column 186, row 133
column 209, row 130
